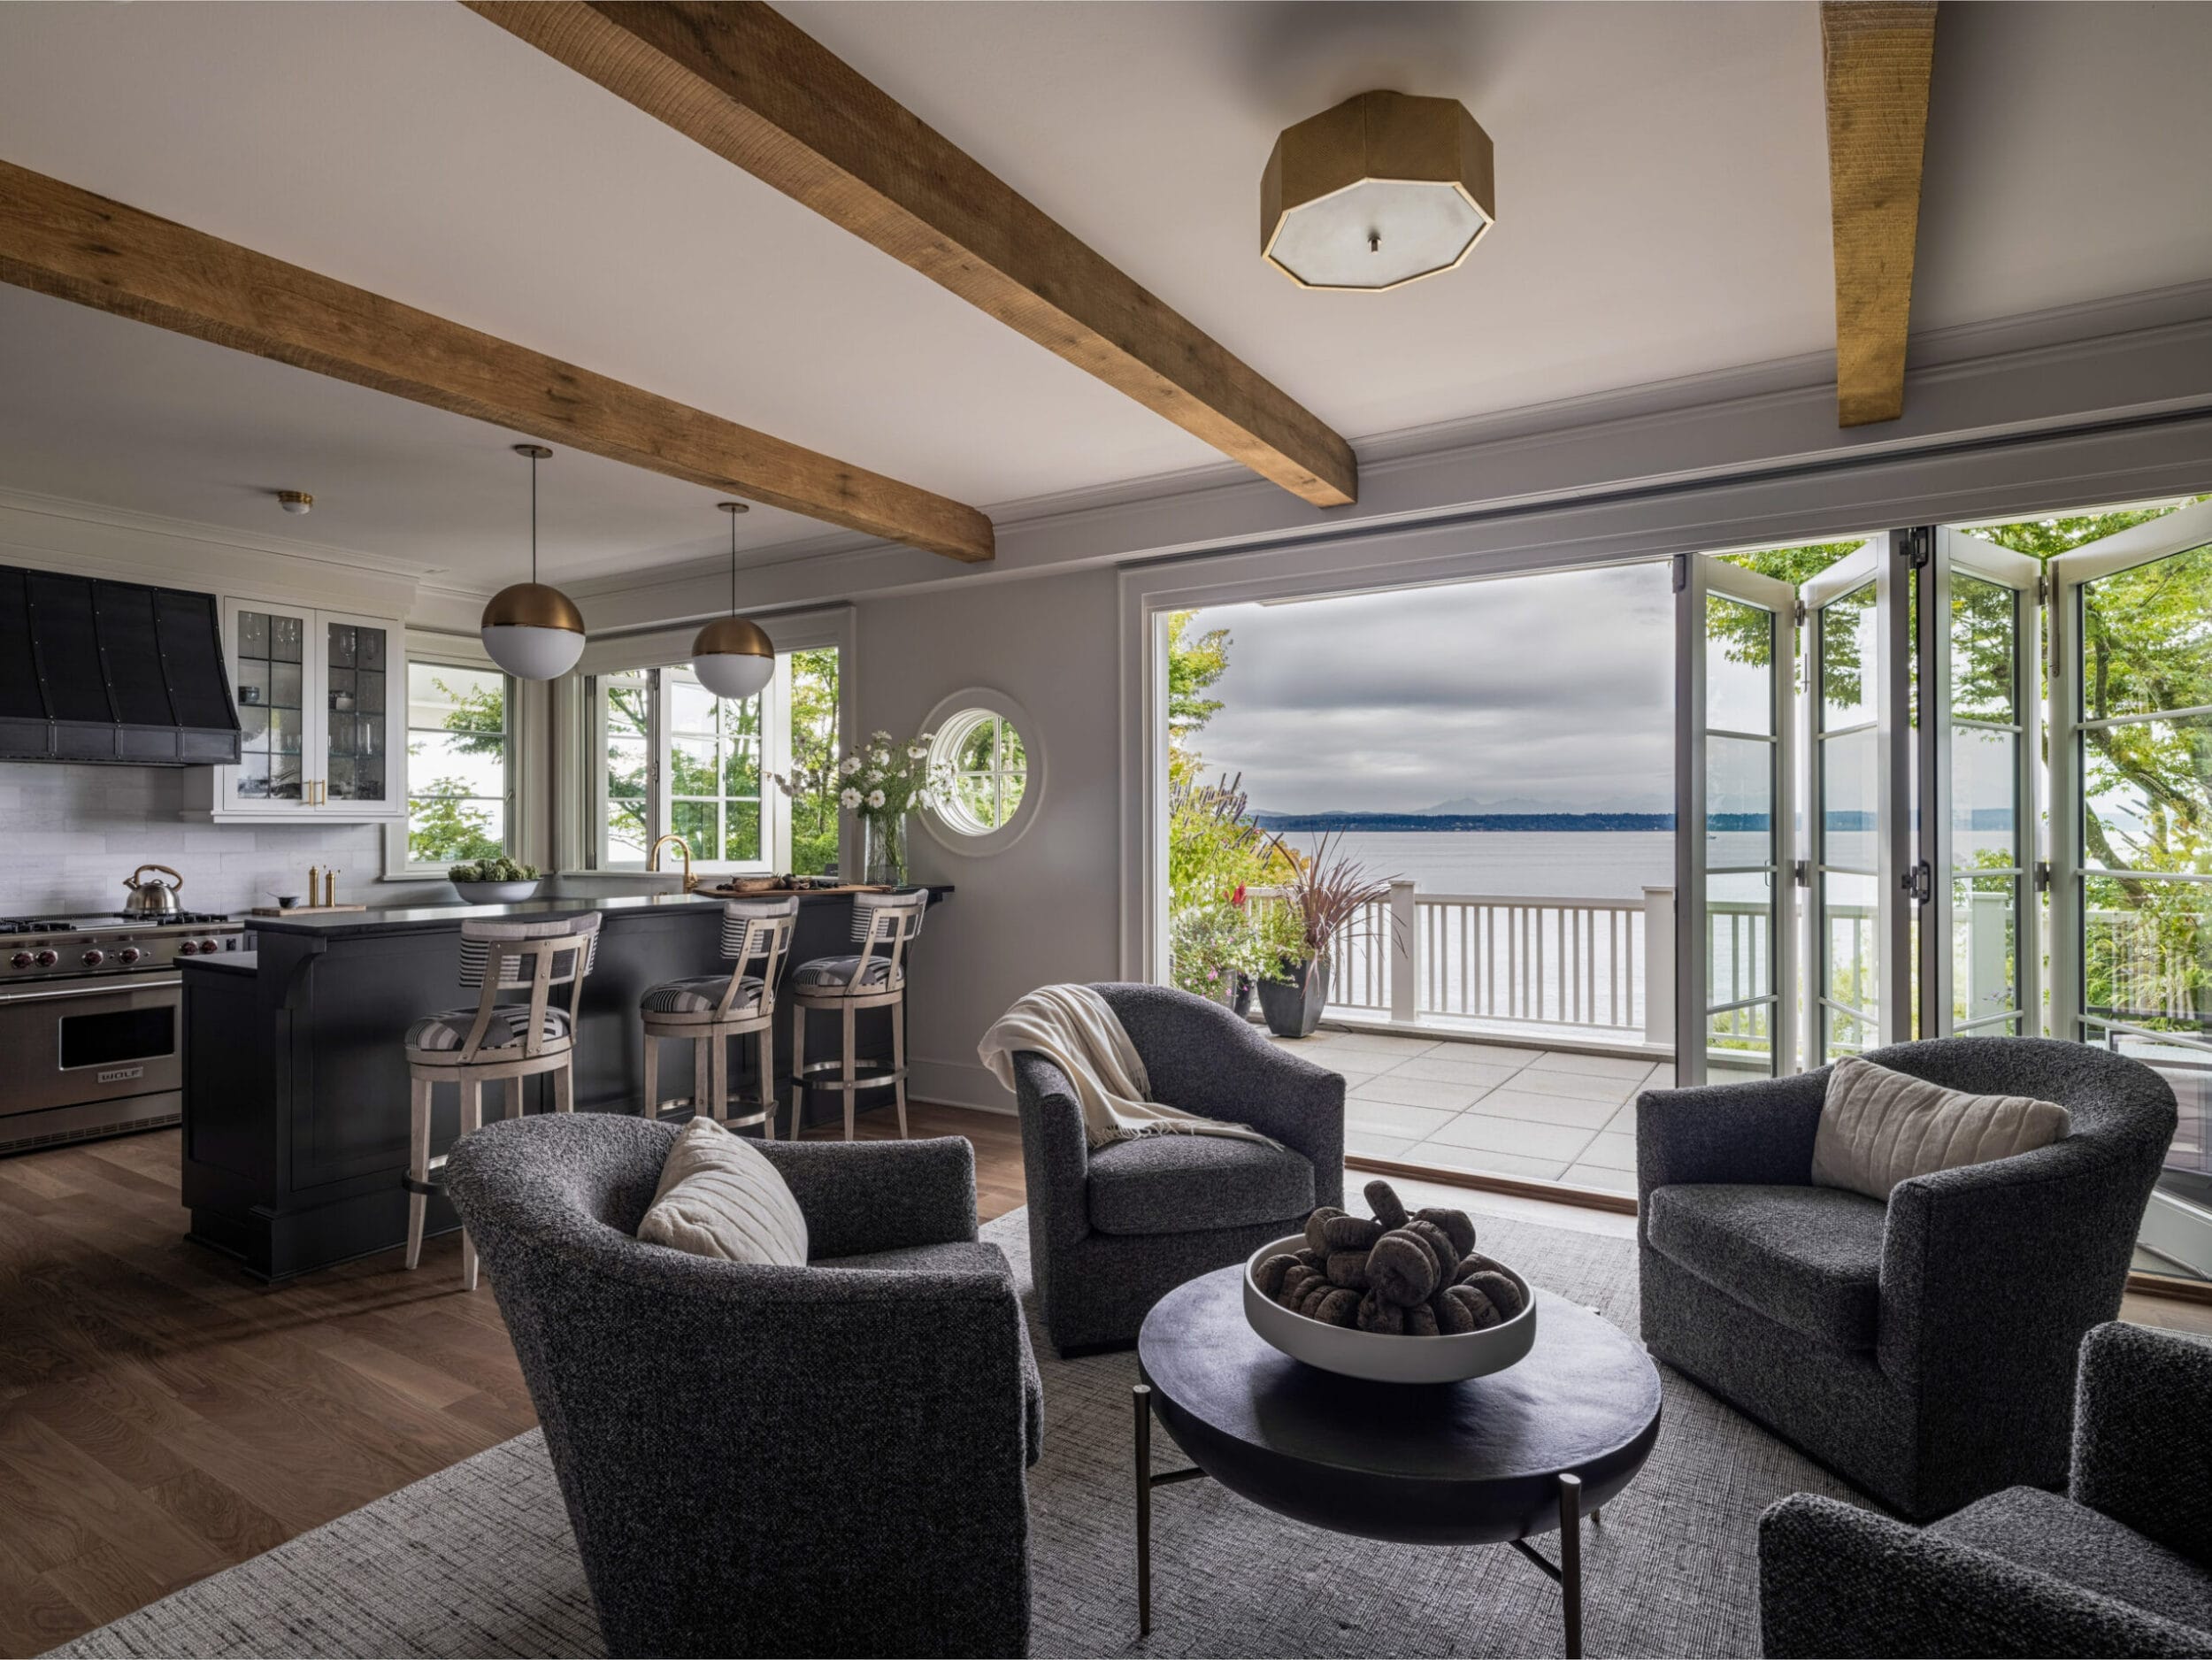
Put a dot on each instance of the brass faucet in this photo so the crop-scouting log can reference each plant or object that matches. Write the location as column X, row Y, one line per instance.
column 653, row 858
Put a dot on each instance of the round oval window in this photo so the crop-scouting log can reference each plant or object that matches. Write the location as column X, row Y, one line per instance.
column 989, row 766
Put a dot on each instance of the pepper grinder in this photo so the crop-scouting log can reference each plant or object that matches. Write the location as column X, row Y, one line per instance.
column 330, row 887
column 314, row 886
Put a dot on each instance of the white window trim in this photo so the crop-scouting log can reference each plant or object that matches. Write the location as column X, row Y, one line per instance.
column 955, row 837
column 831, row 627
column 525, row 726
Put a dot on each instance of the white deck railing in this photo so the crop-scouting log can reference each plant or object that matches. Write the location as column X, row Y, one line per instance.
column 1605, row 965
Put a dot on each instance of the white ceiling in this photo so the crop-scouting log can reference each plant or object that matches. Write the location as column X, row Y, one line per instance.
column 1662, row 211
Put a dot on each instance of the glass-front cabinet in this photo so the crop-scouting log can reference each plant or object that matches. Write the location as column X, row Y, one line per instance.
column 321, row 730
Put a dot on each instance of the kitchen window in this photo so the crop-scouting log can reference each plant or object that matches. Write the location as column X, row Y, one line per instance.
column 460, row 764
column 670, row 757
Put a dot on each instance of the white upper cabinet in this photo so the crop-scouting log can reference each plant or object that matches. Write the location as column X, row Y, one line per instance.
column 321, row 712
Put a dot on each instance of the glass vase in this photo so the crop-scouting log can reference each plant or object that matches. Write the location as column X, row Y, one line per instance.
column 883, row 848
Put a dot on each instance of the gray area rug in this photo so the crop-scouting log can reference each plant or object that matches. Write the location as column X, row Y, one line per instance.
column 478, row 1559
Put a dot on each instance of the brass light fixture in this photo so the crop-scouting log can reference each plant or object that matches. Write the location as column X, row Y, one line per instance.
column 1379, row 191
column 733, row 656
column 534, row 631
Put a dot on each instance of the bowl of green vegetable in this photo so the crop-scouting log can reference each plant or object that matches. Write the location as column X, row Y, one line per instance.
column 496, row 881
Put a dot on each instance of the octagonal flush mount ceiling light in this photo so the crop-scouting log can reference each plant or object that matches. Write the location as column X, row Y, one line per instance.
column 1381, row 190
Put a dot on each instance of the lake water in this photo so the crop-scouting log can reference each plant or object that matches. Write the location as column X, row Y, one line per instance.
column 1563, row 863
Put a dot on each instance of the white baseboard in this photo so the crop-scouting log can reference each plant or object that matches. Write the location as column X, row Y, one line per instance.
column 957, row 1084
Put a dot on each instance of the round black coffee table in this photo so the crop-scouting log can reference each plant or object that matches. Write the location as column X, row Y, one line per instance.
column 1494, row 1460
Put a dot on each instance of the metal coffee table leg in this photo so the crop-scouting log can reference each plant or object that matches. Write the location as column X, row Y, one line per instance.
column 1568, row 1570
column 1142, row 1397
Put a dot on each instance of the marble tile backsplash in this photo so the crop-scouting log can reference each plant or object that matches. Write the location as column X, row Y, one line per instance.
column 70, row 834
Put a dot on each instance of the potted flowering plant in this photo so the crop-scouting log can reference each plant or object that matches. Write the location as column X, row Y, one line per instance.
column 1216, row 951
column 1332, row 898
column 885, row 780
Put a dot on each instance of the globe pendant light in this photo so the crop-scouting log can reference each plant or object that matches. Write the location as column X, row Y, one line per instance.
column 731, row 656
column 534, row 631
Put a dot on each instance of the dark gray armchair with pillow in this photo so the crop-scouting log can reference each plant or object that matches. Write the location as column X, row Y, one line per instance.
column 1113, row 1231
column 2121, row 1565
column 1922, row 1349
column 824, row 1460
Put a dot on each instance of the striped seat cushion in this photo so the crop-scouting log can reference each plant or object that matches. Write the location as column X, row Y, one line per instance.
column 826, row 973
column 702, row 996
column 509, row 1022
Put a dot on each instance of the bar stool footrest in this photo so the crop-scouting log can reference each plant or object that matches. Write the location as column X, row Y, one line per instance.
column 867, row 1074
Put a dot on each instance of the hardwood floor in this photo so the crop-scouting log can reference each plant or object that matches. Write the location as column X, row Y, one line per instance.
column 163, row 1416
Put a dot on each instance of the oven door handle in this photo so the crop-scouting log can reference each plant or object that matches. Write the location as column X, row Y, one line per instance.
column 102, row 987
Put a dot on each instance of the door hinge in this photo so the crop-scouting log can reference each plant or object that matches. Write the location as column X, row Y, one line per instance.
column 1920, row 546
column 1919, row 883
column 1798, row 613
column 1681, row 571
column 1801, row 873
column 2042, row 876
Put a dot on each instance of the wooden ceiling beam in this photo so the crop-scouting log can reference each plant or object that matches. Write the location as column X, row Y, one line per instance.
column 1875, row 60
column 761, row 93
column 60, row 241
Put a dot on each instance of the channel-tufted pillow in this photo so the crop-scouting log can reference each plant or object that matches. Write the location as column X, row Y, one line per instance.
column 718, row 1197
column 1879, row 1127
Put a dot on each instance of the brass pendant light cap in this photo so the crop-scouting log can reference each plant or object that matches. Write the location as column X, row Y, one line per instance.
column 734, row 637
column 532, row 605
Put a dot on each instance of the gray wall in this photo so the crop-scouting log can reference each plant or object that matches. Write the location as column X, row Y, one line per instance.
column 1046, row 909
column 72, row 833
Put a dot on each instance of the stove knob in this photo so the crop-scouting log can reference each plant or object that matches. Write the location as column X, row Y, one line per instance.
column 128, row 955
column 21, row 959
column 93, row 959
column 46, row 959
column 185, row 948
column 207, row 946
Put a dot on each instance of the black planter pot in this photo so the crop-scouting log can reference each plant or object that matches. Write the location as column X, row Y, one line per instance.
column 1241, row 1002
column 1293, row 1006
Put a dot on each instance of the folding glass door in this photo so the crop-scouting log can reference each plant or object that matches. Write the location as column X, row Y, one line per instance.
column 1979, row 756
column 1735, row 998
column 1858, row 790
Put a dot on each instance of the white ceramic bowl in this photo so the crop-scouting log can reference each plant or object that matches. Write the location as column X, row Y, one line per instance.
column 1378, row 1355
column 495, row 893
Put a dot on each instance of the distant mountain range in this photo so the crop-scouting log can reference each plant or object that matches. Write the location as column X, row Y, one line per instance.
column 1462, row 822
column 1465, row 813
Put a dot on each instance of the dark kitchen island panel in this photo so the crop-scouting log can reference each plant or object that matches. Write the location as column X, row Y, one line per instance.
column 295, row 1075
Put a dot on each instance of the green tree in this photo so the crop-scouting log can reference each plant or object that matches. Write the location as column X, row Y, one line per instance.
column 813, row 761
column 1193, row 666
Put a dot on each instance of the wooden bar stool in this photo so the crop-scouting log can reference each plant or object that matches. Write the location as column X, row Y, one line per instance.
column 875, row 978
column 713, row 1010
column 494, row 1042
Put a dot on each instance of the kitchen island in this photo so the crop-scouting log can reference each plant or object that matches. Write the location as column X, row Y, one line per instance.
column 295, row 1113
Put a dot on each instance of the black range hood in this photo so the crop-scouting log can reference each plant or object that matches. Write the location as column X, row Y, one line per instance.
column 116, row 672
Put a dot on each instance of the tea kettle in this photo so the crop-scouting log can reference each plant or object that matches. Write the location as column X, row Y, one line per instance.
column 152, row 897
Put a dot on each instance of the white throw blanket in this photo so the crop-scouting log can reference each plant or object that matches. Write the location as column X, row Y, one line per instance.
column 1072, row 1027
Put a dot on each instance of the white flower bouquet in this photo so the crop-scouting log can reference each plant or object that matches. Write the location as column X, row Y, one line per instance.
column 886, row 780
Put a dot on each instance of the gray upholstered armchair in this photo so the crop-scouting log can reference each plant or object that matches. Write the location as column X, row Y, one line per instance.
column 1922, row 1349
column 2121, row 1565
column 1112, row 1231
column 770, row 1461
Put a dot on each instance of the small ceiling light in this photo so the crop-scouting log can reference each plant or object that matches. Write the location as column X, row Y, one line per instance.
column 1380, row 190
column 534, row 631
column 296, row 501
column 731, row 656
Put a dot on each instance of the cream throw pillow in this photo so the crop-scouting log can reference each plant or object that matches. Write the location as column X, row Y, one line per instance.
column 719, row 1197
column 1878, row 1127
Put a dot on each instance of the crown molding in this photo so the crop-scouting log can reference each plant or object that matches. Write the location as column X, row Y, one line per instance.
column 220, row 536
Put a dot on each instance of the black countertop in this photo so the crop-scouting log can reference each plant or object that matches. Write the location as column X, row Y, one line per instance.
column 223, row 963
column 427, row 918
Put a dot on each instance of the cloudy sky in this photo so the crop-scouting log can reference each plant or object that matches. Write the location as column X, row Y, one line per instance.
column 1540, row 693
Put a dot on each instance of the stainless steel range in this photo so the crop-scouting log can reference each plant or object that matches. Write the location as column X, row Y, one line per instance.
column 91, row 1040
